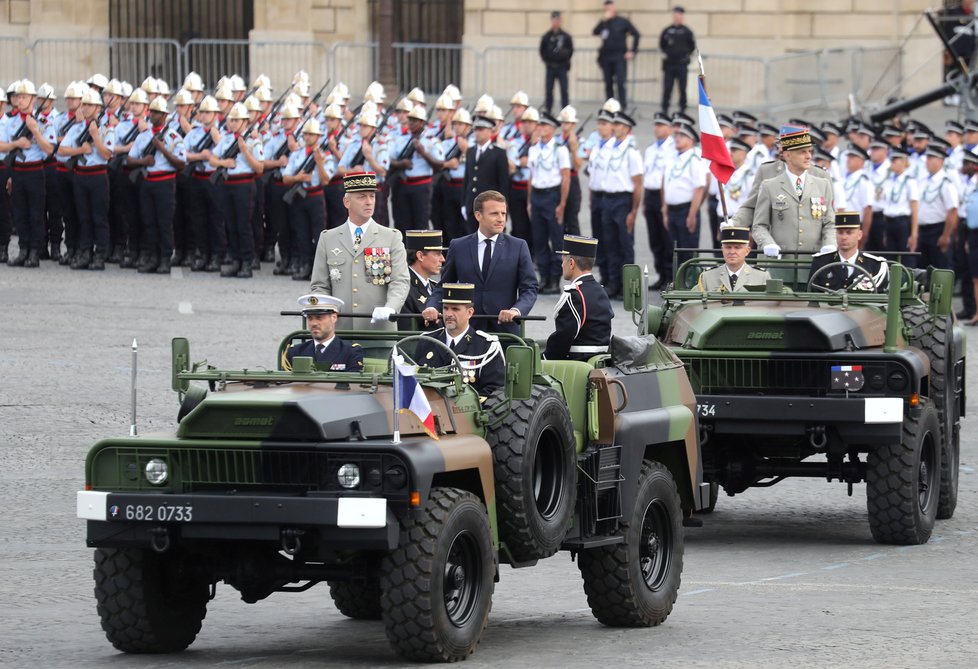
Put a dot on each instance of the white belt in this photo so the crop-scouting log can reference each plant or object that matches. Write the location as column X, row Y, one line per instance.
column 588, row 349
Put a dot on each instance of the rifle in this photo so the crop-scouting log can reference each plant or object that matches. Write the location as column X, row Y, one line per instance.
column 580, row 129
column 62, row 132
column 358, row 157
column 406, row 153
column 206, row 142
column 149, row 149
column 120, row 158
column 232, row 152
column 85, row 136
column 20, row 134
column 308, row 166
column 282, row 150
column 276, row 106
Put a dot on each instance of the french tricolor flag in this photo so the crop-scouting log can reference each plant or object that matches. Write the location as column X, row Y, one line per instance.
column 713, row 145
column 411, row 397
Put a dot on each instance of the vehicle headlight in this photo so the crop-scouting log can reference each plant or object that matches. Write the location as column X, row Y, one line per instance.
column 348, row 475
column 156, row 471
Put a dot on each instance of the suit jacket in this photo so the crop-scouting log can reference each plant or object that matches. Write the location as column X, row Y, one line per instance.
column 485, row 379
column 340, row 355
column 343, row 273
column 504, row 288
column 838, row 278
column 418, row 299
column 583, row 318
column 490, row 173
column 797, row 224
column 718, row 279
column 744, row 217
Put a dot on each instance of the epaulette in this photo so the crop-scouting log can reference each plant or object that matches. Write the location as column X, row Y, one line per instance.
column 874, row 257
column 569, row 287
column 487, row 335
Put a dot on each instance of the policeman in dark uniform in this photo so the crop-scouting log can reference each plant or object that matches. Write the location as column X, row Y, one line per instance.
column 848, row 233
column 583, row 313
column 328, row 351
column 480, row 353
column 426, row 255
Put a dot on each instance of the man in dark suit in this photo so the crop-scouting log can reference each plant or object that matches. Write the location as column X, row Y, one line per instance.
column 479, row 353
column 582, row 320
column 848, row 233
column 425, row 259
column 498, row 264
column 486, row 168
column 326, row 349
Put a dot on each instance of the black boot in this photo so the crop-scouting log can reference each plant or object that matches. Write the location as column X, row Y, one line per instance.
column 148, row 266
column 198, row 264
column 255, row 264
column 293, row 267
column 178, row 259
column 128, row 260
column 212, row 265
column 245, row 271
column 55, row 251
column 268, row 255
column 303, row 273
column 33, row 259
column 19, row 259
column 67, row 257
column 164, row 266
column 232, row 269
column 43, row 254
column 281, row 267
column 98, row 262
column 82, row 259
column 115, row 257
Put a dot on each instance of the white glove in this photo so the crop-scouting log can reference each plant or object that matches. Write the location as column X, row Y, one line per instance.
column 772, row 251
column 381, row 314
column 463, row 212
column 828, row 248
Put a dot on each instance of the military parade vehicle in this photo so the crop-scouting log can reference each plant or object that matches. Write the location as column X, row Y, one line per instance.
column 275, row 481
column 795, row 380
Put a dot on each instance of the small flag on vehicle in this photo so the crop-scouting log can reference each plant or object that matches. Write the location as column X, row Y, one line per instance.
column 847, row 377
column 411, row 397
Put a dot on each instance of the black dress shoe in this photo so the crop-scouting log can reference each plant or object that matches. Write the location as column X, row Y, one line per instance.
column 212, row 265
column 43, row 254
column 148, row 266
column 245, row 272
column 232, row 269
column 19, row 259
column 303, row 273
column 281, row 267
column 33, row 259
column 81, row 260
column 115, row 257
column 55, row 251
column 293, row 267
column 198, row 264
column 255, row 264
column 127, row 262
column 164, row 266
column 268, row 255
column 98, row 263
column 67, row 257
column 178, row 259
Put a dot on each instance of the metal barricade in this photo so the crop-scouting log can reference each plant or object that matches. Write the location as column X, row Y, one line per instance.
column 133, row 60
column 733, row 82
column 353, row 63
column 61, row 61
column 282, row 60
column 213, row 59
column 13, row 59
column 432, row 67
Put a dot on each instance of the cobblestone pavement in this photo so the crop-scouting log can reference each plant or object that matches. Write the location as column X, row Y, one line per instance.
column 787, row 575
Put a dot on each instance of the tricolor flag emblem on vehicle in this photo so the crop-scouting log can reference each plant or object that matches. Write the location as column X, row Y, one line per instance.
column 847, row 377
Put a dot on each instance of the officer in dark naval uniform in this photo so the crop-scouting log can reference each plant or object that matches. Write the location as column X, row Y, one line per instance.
column 328, row 351
column 426, row 256
column 583, row 313
column 848, row 233
column 479, row 352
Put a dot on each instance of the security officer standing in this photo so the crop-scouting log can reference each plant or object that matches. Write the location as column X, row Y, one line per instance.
column 90, row 182
column 582, row 317
column 848, row 232
column 794, row 211
column 238, row 189
column 158, row 187
column 734, row 274
column 362, row 262
column 622, row 184
column 486, row 168
column 327, row 351
column 614, row 54
column 426, row 256
column 548, row 185
column 901, row 206
column 27, row 178
column 684, row 180
column 556, row 51
column 938, row 215
column 479, row 353
column 677, row 44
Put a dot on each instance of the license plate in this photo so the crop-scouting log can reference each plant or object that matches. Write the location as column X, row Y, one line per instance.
column 158, row 513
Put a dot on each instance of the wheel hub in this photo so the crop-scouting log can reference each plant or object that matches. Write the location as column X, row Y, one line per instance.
column 456, row 576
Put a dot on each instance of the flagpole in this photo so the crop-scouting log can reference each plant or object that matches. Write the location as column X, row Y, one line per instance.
column 723, row 200
column 397, row 414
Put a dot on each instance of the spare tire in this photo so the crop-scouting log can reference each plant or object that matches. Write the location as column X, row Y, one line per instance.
column 535, row 462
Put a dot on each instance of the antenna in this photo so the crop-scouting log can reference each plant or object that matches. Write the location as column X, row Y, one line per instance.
column 132, row 424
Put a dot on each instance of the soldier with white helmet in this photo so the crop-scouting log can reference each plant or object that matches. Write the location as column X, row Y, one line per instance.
column 238, row 87
column 281, row 142
column 54, row 226
column 161, row 151
column 568, row 136
column 518, row 153
column 4, row 179
column 451, row 221
column 440, row 131
column 518, row 105
column 125, row 223
column 238, row 189
column 62, row 184
column 371, row 152
column 210, row 236
column 307, row 214
column 92, row 146
column 591, row 151
column 336, row 213
column 113, row 98
column 24, row 137
column 195, row 84
column 183, row 236
column 417, row 158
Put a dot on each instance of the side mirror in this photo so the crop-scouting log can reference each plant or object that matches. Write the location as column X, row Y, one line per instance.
column 941, row 289
column 519, row 371
column 632, row 289
column 180, row 354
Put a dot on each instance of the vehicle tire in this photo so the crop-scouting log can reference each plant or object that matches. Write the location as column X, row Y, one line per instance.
column 437, row 585
column 903, row 483
column 359, row 600
column 149, row 602
column 635, row 583
column 934, row 336
column 535, row 466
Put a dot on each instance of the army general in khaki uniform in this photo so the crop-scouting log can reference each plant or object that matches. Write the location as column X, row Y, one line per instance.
column 362, row 263
column 794, row 211
column 734, row 274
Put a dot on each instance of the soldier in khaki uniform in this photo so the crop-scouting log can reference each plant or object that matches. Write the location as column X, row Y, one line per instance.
column 362, row 263
column 734, row 274
column 794, row 212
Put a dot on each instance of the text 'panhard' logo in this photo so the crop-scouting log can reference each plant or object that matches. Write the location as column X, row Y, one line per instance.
column 760, row 334
column 254, row 422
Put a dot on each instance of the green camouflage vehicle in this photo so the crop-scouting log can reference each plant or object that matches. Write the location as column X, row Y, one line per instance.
column 274, row 481
column 796, row 380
